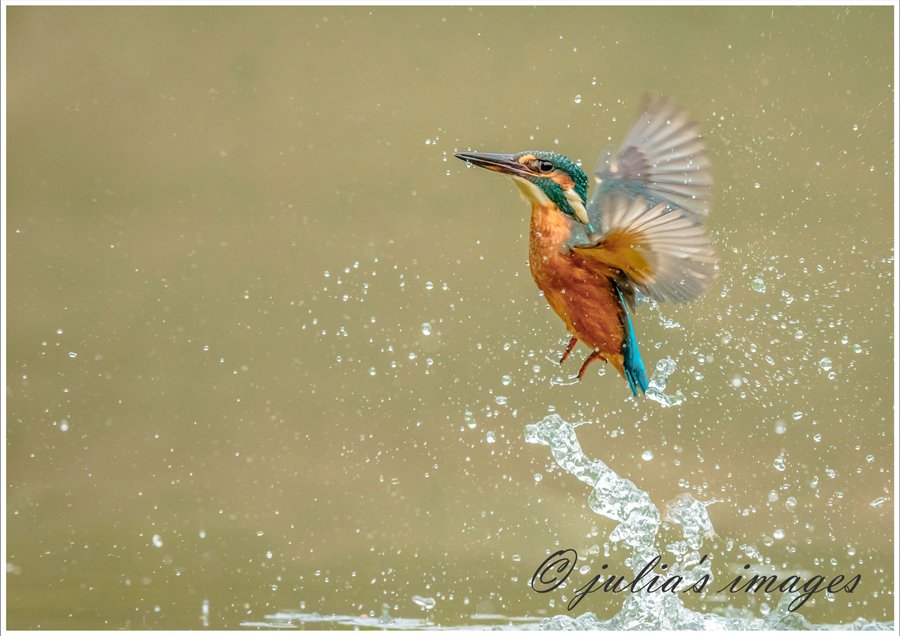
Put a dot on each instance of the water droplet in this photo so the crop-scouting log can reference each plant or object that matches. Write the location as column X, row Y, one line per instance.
column 72, row 354
column 426, row 328
column 758, row 285
column 64, row 425
column 505, row 380
column 426, row 603
column 779, row 462
column 790, row 503
column 500, row 399
column 489, row 437
column 578, row 99
column 470, row 419
column 429, row 285
column 825, row 364
column 538, row 477
column 204, row 613
column 778, row 534
column 750, row 551
column 878, row 502
column 666, row 366
column 647, row 455
column 157, row 541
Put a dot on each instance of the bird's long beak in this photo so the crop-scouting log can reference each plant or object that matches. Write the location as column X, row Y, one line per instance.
column 492, row 161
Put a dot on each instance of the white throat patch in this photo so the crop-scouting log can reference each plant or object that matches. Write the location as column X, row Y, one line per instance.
column 533, row 194
column 530, row 192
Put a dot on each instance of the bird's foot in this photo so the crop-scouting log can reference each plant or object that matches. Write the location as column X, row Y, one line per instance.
column 594, row 355
column 569, row 348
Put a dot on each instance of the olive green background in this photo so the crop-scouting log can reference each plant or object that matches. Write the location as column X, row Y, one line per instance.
column 227, row 227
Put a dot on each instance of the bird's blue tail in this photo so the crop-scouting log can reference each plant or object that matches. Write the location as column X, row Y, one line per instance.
column 635, row 372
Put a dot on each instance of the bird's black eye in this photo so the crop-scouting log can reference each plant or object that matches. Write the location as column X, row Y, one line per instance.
column 546, row 166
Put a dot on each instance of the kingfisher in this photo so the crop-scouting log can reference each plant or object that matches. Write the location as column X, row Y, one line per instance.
column 640, row 235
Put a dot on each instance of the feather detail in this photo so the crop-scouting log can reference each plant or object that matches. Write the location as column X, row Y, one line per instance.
column 663, row 158
column 663, row 251
column 633, row 366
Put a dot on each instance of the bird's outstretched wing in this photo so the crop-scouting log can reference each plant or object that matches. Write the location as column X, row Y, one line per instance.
column 662, row 251
column 663, row 158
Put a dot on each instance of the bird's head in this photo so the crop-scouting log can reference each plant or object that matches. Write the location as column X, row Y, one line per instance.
column 543, row 177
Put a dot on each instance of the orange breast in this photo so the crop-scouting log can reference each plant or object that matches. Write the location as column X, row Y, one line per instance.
column 580, row 293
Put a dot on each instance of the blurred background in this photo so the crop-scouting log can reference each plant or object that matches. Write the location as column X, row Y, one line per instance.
column 270, row 346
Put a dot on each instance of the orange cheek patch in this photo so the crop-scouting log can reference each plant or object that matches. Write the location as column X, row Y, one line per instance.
column 564, row 180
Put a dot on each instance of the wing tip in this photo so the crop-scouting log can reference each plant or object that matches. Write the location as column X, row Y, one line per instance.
column 663, row 156
column 655, row 103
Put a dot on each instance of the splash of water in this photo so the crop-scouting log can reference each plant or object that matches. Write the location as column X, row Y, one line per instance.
column 639, row 522
column 656, row 389
column 619, row 499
